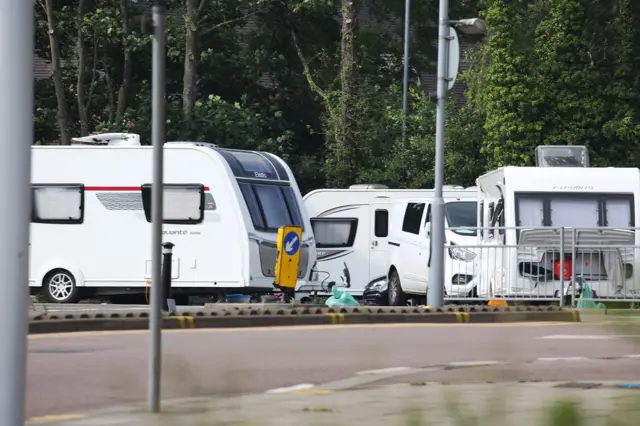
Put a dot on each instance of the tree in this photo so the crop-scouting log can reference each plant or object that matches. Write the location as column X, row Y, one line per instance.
column 51, row 29
column 568, row 95
column 512, row 127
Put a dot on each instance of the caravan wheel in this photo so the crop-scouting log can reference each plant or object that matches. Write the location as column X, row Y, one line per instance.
column 59, row 286
column 397, row 297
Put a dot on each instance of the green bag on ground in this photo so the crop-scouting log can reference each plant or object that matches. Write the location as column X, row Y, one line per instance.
column 588, row 304
column 341, row 298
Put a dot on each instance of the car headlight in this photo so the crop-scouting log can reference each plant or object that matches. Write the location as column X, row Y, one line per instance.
column 379, row 284
column 458, row 253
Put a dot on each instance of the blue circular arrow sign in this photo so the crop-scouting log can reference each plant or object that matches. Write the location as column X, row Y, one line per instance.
column 291, row 243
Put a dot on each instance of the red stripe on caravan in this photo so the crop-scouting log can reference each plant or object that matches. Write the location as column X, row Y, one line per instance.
column 119, row 188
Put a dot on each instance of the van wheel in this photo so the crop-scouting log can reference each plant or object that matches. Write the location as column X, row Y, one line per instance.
column 397, row 297
column 59, row 286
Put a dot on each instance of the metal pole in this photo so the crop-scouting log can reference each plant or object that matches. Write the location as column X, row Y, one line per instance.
column 16, row 125
column 435, row 297
column 158, row 138
column 561, row 266
column 405, row 82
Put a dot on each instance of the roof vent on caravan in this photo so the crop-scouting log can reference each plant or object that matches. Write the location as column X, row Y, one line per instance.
column 369, row 186
column 562, row 156
column 452, row 187
column 111, row 139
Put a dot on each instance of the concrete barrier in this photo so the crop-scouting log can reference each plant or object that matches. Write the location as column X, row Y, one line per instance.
column 268, row 317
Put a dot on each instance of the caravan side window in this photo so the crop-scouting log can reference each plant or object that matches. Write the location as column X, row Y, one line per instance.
column 334, row 232
column 413, row 218
column 182, row 203
column 57, row 203
column 381, row 223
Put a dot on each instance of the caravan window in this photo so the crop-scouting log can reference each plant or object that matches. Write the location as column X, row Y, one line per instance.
column 57, row 203
column 462, row 214
column 381, row 225
column 334, row 232
column 181, row 203
column 531, row 212
column 576, row 213
column 573, row 210
column 271, row 206
column 413, row 218
column 618, row 213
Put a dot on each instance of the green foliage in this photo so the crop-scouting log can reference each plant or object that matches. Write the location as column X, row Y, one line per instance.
column 549, row 72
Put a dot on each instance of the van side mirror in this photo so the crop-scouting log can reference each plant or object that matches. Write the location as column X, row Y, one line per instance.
column 427, row 230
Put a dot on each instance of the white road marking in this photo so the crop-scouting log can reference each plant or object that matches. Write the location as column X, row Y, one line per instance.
column 585, row 337
column 302, row 386
column 473, row 363
column 632, row 356
column 383, row 371
column 567, row 358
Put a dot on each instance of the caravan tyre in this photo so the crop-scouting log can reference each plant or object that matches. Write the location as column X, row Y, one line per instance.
column 397, row 297
column 59, row 286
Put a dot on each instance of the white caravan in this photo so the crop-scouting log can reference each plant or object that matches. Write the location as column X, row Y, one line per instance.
column 351, row 228
column 91, row 229
column 523, row 210
column 409, row 257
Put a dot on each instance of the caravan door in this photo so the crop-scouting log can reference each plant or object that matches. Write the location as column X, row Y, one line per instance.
column 378, row 243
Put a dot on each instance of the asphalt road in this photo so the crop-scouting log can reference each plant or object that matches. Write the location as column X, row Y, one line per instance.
column 71, row 373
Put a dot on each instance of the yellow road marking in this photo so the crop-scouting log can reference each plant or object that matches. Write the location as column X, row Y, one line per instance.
column 57, row 417
column 462, row 316
column 309, row 327
column 336, row 318
column 576, row 316
column 190, row 321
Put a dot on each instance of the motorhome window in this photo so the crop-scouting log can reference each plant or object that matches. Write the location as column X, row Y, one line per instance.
column 462, row 214
column 530, row 212
column 182, row 204
column 252, row 205
column 571, row 210
column 576, row 213
column 57, row 203
column 413, row 218
column 334, row 232
column 618, row 213
column 481, row 218
column 381, row 223
column 490, row 223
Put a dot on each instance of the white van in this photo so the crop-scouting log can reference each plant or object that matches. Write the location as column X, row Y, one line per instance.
column 409, row 254
column 90, row 230
column 351, row 228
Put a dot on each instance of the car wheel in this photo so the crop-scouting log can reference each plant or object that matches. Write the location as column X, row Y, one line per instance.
column 59, row 286
column 397, row 297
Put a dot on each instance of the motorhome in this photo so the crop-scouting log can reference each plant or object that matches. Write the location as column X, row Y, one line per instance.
column 551, row 228
column 409, row 257
column 351, row 228
column 91, row 230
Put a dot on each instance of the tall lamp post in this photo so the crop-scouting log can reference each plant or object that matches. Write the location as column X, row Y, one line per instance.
column 448, row 61
column 16, row 124
column 405, row 79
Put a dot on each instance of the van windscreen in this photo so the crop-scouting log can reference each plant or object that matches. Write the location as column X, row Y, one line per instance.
column 462, row 214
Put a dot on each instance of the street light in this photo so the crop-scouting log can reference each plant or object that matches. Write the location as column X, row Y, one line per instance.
column 405, row 79
column 447, row 72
